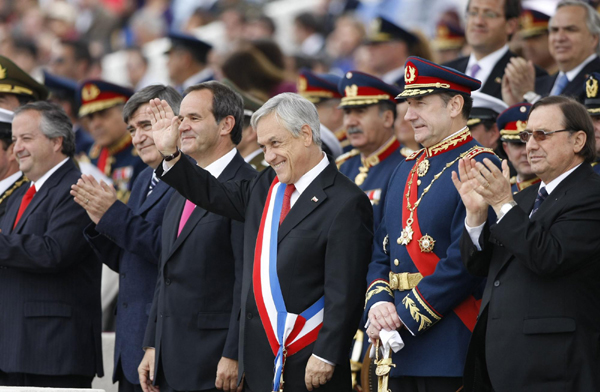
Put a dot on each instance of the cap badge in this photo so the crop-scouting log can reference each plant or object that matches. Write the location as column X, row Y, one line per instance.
column 523, row 109
column 376, row 26
column 90, row 92
column 2, row 72
column 302, row 84
column 351, row 91
column 410, row 74
column 521, row 125
column 591, row 88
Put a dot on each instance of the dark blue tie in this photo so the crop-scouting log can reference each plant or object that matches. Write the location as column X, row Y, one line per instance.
column 153, row 183
column 541, row 196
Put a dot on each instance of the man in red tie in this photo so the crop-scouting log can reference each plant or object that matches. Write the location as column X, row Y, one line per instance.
column 49, row 276
column 192, row 332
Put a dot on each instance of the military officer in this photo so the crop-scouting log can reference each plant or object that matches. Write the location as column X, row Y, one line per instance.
column 16, row 86
column 11, row 177
column 188, row 61
column 101, row 109
column 511, row 122
column 369, row 113
column 419, row 290
column 322, row 90
column 592, row 104
column 248, row 146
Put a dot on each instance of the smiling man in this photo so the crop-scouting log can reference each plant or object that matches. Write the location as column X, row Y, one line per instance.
column 127, row 237
column 304, row 220
column 538, row 326
column 418, row 285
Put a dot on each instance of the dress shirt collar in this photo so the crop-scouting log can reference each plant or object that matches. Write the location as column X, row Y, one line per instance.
column 393, row 75
column 308, row 178
column 39, row 183
column 9, row 181
column 575, row 71
column 217, row 167
column 486, row 64
column 554, row 183
column 252, row 155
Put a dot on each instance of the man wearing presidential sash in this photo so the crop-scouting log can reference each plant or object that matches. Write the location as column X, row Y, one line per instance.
column 420, row 295
column 307, row 243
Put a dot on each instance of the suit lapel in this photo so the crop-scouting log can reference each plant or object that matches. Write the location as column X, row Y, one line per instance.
column 309, row 200
column 493, row 83
column 138, row 193
column 157, row 193
column 575, row 86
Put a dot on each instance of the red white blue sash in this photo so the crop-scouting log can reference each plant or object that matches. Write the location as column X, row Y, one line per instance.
column 287, row 332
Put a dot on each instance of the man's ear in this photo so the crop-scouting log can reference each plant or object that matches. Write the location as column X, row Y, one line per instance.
column 579, row 139
column 227, row 125
column 455, row 105
column 306, row 135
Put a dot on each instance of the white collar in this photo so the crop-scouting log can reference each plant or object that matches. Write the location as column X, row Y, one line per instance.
column 196, row 78
column 486, row 64
column 575, row 71
column 217, row 167
column 390, row 77
column 40, row 182
column 308, row 178
column 252, row 155
column 9, row 181
column 554, row 183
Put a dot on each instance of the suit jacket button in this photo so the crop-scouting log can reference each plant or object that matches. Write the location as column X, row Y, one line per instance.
column 497, row 283
column 168, row 282
column 249, row 316
column 396, row 262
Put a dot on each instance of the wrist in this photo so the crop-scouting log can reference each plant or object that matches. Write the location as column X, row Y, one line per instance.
column 170, row 156
column 502, row 209
column 476, row 219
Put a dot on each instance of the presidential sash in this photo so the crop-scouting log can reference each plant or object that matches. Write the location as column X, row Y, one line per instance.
column 287, row 332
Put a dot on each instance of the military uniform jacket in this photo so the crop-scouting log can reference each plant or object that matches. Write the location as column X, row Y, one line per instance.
column 440, row 312
column 375, row 183
column 6, row 195
column 128, row 240
column 324, row 246
column 541, row 302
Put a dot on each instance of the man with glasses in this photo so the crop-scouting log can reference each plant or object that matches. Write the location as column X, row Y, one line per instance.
column 490, row 25
column 538, row 325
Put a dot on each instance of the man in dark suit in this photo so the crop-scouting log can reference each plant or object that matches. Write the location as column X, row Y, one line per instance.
column 318, row 255
column 538, row 325
column 574, row 43
column 192, row 333
column 490, row 25
column 49, row 276
column 127, row 238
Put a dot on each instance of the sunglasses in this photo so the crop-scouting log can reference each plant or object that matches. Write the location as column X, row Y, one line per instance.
column 538, row 135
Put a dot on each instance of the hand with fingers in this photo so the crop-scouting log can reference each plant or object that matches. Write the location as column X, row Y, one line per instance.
column 96, row 198
column 384, row 316
column 466, row 185
column 317, row 373
column 494, row 185
column 519, row 78
column 227, row 375
column 146, row 371
column 165, row 126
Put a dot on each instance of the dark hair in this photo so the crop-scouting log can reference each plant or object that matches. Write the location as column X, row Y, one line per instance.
column 80, row 48
column 467, row 106
column 387, row 105
column 5, row 135
column 226, row 102
column 512, row 8
column 24, row 99
column 267, row 21
column 143, row 96
column 54, row 123
column 309, row 21
column 576, row 118
column 26, row 45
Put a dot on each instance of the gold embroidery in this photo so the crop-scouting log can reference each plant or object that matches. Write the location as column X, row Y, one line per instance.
column 377, row 290
column 424, row 305
column 410, row 74
column 591, row 88
column 351, row 91
column 90, row 92
column 13, row 188
column 446, row 144
column 2, row 72
column 424, row 322
column 521, row 125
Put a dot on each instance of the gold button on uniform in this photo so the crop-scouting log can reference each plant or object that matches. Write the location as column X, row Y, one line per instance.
column 396, row 262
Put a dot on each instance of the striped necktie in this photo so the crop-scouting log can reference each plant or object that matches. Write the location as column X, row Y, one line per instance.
column 153, row 183
column 541, row 196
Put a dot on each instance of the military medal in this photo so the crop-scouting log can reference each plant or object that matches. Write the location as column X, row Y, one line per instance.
column 360, row 177
column 426, row 244
column 423, row 167
column 407, row 233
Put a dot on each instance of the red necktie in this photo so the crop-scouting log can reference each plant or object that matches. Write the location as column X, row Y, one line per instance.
column 24, row 203
column 185, row 215
column 287, row 197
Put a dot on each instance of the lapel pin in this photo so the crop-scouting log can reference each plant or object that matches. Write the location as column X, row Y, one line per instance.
column 314, row 199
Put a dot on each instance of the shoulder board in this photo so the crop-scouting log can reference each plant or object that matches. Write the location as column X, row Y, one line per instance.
column 414, row 155
column 473, row 152
column 513, row 180
column 94, row 151
column 344, row 157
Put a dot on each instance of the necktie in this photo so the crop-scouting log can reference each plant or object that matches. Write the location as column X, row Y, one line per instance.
column 24, row 203
column 474, row 69
column 560, row 84
column 287, row 197
column 153, row 183
column 185, row 215
column 541, row 196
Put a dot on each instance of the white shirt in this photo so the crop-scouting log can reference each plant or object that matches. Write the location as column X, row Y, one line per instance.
column 393, row 75
column 9, row 181
column 475, row 232
column 307, row 179
column 575, row 71
column 40, row 182
column 215, row 168
column 486, row 64
column 252, row 155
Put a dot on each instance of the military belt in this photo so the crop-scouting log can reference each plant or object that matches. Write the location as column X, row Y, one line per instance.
column 403, row 281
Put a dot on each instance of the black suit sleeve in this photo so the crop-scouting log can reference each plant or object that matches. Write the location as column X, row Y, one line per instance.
column 106, row 250
column 150, row 335
column 230, row 349
column 476, row 261
column 201, row 188
column 349, row 248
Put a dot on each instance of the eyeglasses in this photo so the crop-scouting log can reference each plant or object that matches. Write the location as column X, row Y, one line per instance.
column 488, row 15
column 538, row 135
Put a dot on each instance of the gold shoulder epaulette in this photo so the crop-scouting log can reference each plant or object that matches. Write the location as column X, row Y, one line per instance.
column 95, row 151
column 473, row 152
column 414, row 155
column 513, row 180
column 344, row 157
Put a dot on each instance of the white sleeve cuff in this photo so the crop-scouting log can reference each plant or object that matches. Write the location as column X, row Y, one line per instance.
column 166, row 167
column 474, row 233
column 324, row 360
